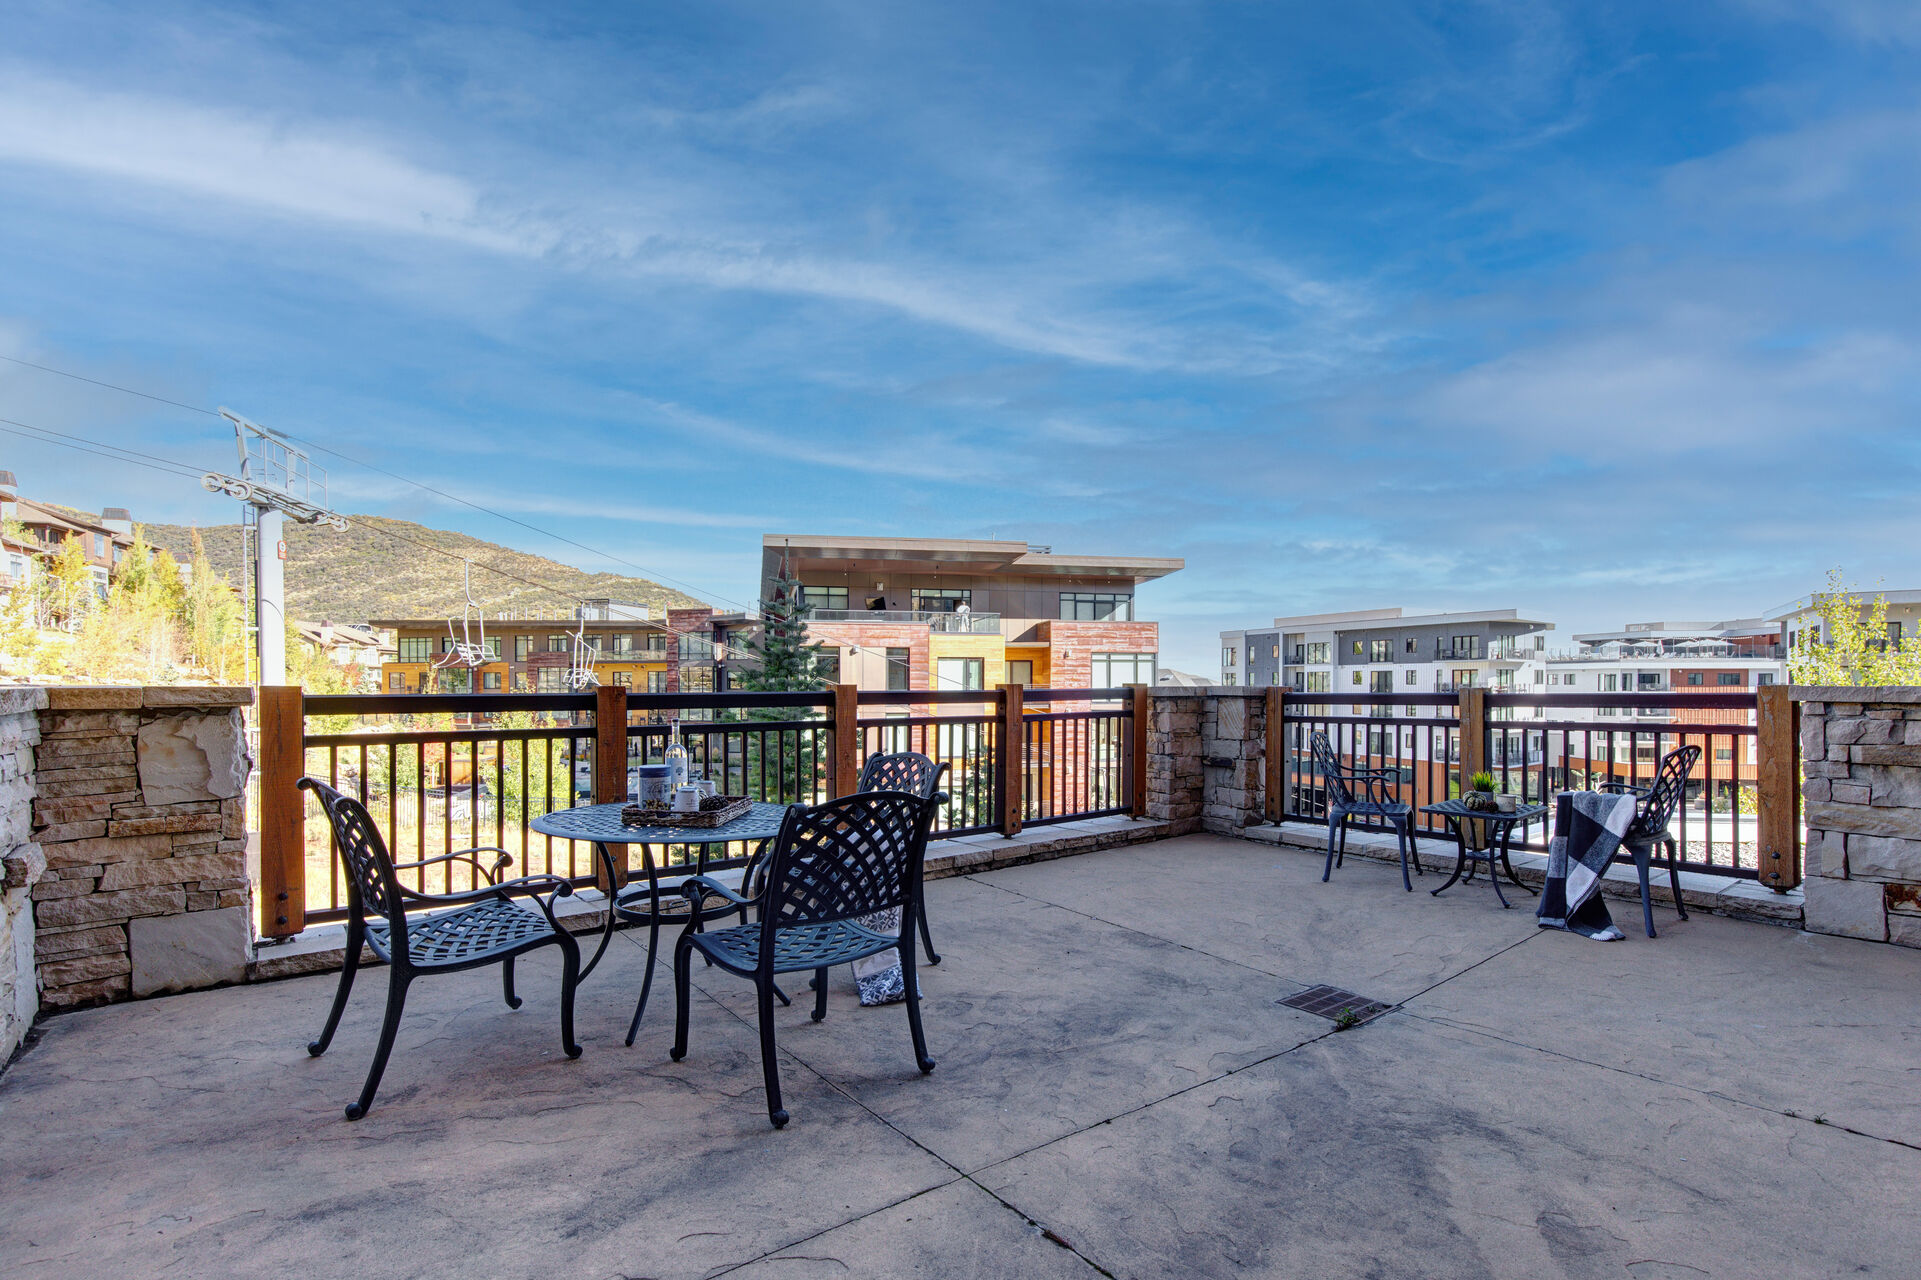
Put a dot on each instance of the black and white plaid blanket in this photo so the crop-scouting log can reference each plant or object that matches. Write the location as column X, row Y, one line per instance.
column 1588, row 826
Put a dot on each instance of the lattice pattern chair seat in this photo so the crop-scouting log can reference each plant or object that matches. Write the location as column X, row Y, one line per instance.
column 808, row 946
column 463, row 935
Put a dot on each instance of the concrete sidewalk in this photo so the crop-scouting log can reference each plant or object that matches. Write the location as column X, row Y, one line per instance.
column 1118, row 1092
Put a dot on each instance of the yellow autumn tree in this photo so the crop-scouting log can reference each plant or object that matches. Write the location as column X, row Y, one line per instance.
column 1852, row 645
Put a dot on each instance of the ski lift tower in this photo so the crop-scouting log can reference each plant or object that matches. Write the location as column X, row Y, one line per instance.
column 276, row 480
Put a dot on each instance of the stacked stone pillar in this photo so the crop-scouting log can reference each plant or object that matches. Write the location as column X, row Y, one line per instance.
column 140, row 815
column 1861, row 787
column 21, row 863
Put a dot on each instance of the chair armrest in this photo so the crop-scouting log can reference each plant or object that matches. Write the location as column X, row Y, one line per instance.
column 1624, row 789
column 501, row 863
column 531, row 886
column 696, row 888
column 940, row 798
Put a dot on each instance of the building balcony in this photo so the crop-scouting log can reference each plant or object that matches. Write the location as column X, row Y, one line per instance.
column 975, row 624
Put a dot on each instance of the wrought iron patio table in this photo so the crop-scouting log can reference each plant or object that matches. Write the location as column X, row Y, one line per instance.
column 643, row 904
column 1491, row 843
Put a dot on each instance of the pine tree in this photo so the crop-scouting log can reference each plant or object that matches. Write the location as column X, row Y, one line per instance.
column 788, row 661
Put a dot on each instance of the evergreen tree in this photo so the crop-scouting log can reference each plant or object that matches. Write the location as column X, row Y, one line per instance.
column 788, row 661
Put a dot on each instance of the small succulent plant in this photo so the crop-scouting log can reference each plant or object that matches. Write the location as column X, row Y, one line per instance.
column 1482, row 781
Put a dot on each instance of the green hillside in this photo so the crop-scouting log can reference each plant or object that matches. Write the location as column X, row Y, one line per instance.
column 377, row 570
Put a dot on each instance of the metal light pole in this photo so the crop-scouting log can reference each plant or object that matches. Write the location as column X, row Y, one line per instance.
column 276, row 480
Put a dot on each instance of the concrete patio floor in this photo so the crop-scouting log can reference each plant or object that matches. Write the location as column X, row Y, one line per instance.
column 1118, row 1093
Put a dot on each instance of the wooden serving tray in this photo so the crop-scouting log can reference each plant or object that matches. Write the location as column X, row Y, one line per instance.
column 715, row 811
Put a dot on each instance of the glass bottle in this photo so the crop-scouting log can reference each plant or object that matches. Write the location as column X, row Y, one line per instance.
column 676, row 757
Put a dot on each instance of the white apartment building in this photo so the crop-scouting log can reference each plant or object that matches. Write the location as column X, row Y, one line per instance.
column 1800, row 623
column 1387, row 651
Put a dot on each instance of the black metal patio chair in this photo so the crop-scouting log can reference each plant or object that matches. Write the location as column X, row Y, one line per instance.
column 1655, row 807
column 1371, row 800
column 468, row 930
column 832, row 864
column 917, row 775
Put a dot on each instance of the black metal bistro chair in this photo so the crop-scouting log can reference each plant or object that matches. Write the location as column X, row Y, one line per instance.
column 1655, row 807
column 480, row 927
column 917, row 775
column 1360, row 793
column 831, row 865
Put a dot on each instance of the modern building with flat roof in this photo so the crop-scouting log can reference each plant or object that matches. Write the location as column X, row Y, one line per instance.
column 1388, row 651
column 930, row 613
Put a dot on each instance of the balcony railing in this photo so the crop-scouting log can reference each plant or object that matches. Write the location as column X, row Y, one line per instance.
column 445, row 772
column 1668, row 653
column 978, row 624
column 1418, row 739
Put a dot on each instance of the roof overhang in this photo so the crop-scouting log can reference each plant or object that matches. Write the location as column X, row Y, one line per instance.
column 818, row 554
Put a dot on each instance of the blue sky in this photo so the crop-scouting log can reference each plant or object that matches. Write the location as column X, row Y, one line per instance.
column 1605, row 311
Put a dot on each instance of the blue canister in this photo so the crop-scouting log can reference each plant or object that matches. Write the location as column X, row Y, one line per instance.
column 654, row 786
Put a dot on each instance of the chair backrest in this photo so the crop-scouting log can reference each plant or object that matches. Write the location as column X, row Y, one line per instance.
column 1333, row 780
column 847, row 857
column 372, row 886
column 908, row 771
column 1664, row 797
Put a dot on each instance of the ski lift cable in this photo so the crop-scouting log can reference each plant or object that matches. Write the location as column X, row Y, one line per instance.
column 394, row 475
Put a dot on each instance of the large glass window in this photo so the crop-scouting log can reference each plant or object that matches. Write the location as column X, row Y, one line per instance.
column 1097, row 606
column 824, row 597
column 942, row 600
column 490, row 680
column 621, row 642
column 1381, row 682
column 898, row 668
column 1112, row 670
column 523, row 645
column 1380, row 651
column 696, row 644
column 1020, row 671
column 656, row 682
column 696, row 679
column 827, row 665
column 960, row 673
column 1318, row 652
column 416, row 648
column 1320, row 682
column 559, row 644
column 550, row 679
column 396, row 681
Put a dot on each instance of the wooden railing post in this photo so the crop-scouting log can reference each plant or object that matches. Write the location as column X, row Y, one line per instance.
column 846, row 716
column 283, row 813
column 1275, row 762
column 1473, row 734
column 1137, row 750
column 610, row 769
column 1013, row 750
column 1777, row 825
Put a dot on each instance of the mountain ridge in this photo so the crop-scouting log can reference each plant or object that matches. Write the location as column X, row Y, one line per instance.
column 379, row 569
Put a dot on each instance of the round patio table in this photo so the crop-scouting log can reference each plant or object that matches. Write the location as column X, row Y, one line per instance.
column 641, row 904
column 1492, row 848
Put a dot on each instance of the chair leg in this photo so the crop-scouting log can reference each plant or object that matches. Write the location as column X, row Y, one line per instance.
column 1400, row 841
column 349, row 965
column 1328, row 870
column 769, row 1064
column 926, row 941
column 683, row 984
column 1340, row 858
column 647, row 978
column 820, row 994
column 1647, row 903
column 389, row 1026
column 569, row 979
column 507, row 983
column 1413, row 849
column 921, row 1059
column 1674, row 879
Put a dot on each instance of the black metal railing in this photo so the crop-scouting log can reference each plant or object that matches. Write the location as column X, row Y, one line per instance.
column 1537, row 745
column 440, row 772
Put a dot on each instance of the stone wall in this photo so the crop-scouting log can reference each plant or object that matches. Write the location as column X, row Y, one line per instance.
column 140, row 814
column 1233, row 759
column 21, row 863
column 1206, row 757
column 1175, row 785
column 1861, row 788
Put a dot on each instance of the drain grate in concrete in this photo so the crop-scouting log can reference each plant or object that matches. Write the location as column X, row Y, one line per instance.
column 1333, row 1002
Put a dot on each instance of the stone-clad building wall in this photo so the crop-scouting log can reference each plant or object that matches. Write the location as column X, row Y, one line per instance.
column 1861, row 789
column 21, row 863
column 140, row 815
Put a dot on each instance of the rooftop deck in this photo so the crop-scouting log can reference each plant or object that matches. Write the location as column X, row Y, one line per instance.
column 1118, row 1093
